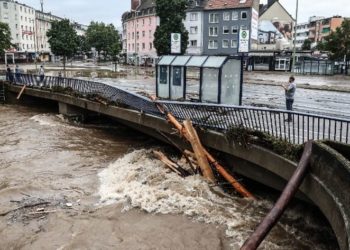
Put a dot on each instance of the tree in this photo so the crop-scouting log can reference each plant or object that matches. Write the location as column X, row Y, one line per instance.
column 83, row 46
column 5, row 38
column 63, row 40
column 338, row 42
column 104, row 38
column 306, row 45
column 170, row 22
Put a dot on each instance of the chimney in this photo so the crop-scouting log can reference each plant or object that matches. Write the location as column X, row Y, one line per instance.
column 135, row 4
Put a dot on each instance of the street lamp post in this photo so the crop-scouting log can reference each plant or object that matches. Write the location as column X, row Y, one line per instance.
column 295, row 35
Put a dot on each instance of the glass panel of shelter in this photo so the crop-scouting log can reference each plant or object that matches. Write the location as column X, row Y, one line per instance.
column 219, row 78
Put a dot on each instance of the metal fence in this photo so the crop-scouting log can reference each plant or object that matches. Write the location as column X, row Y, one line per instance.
column 86, row 88
column 302, row 128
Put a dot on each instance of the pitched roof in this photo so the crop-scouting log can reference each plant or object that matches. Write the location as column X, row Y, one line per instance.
column 266, row 7
column 228, row 4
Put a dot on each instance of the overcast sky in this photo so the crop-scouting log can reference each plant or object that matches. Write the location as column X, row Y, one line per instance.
column 110, row 11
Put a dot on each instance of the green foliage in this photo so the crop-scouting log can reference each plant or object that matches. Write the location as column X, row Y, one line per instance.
column 338, row 42
column 306, row 45
column 63, row 39
column 170, row 22
column 5, row 37
column 83, row 46
column 244, row 137
column 104, row 38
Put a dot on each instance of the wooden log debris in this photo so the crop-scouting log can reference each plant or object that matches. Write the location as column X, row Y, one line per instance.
column 199, row 152
column 182, row 131
column 21, row 92
column 170, row 164
column 276, row 212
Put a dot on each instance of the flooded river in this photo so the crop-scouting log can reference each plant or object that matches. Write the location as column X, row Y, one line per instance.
column 65, row 186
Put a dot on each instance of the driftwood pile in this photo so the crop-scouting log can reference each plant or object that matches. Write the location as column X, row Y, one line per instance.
column 200, row 160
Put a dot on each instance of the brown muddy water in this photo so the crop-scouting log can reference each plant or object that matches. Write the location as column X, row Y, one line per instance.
column 65, row 186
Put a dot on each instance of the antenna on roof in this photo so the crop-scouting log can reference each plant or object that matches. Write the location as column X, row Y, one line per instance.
column 42, row 5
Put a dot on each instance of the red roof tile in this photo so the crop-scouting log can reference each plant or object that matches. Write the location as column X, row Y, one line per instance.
column 228, row 4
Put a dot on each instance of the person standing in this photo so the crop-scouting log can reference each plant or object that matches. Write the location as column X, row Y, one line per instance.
column 41, row 74
column 290, row 90
column 18, row 74
column 9, row 74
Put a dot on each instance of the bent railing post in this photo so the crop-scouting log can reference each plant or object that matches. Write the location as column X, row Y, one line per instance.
column 288, row 193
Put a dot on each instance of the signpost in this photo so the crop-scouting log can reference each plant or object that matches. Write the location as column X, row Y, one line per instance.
column 243, row 41
column 175, row 43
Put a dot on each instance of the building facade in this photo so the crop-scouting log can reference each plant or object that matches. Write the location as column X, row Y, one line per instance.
column 319, row 28
column 139, row 26
column 276, row 27
column 21, row 20
column 302, row 34
column 43, row 25
column 194, row 25
column 222, row 22
column 28, row 29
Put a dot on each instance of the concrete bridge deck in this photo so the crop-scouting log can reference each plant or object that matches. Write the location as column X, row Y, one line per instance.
column 326, row 185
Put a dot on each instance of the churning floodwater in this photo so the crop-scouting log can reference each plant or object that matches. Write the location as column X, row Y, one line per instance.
column 68, row 186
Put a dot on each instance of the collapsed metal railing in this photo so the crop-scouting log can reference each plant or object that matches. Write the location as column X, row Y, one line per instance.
column 302, row 128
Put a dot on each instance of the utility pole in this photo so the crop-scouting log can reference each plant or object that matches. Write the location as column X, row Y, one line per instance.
column 295, row 35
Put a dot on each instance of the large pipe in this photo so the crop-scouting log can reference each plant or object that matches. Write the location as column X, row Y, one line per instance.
column 288, row 193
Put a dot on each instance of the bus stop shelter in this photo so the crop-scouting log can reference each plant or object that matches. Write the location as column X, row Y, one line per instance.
column 220, row 78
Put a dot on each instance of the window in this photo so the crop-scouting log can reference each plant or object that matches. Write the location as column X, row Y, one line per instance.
column 194, row 30
column 213, row 44
column 225, row 43
column 150, row 34
column 213, row 31
column 234, row 29
column 150, row 21
column 226, row 16
column 5, row 5
column 193, row 16
column 243, row 15
column 225, row 30
column 143, row 33
column 143, row 46
column 150, row 46
column 213, row 18
column 235, row 15
column 234, row 44
column 193, row 43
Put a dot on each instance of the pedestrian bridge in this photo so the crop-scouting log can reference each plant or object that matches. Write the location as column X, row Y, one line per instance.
column 327, row 185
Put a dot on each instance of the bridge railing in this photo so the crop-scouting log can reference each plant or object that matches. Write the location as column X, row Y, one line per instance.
column 85, row 88
column 302, row 128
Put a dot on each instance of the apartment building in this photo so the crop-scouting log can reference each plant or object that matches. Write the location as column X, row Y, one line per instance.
column 139, row 26
column 302, row 33
column 319, row 28
column 29, row 27
column 194, row 26
column 21, row 20
column 43, row 25
column 222, row 22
